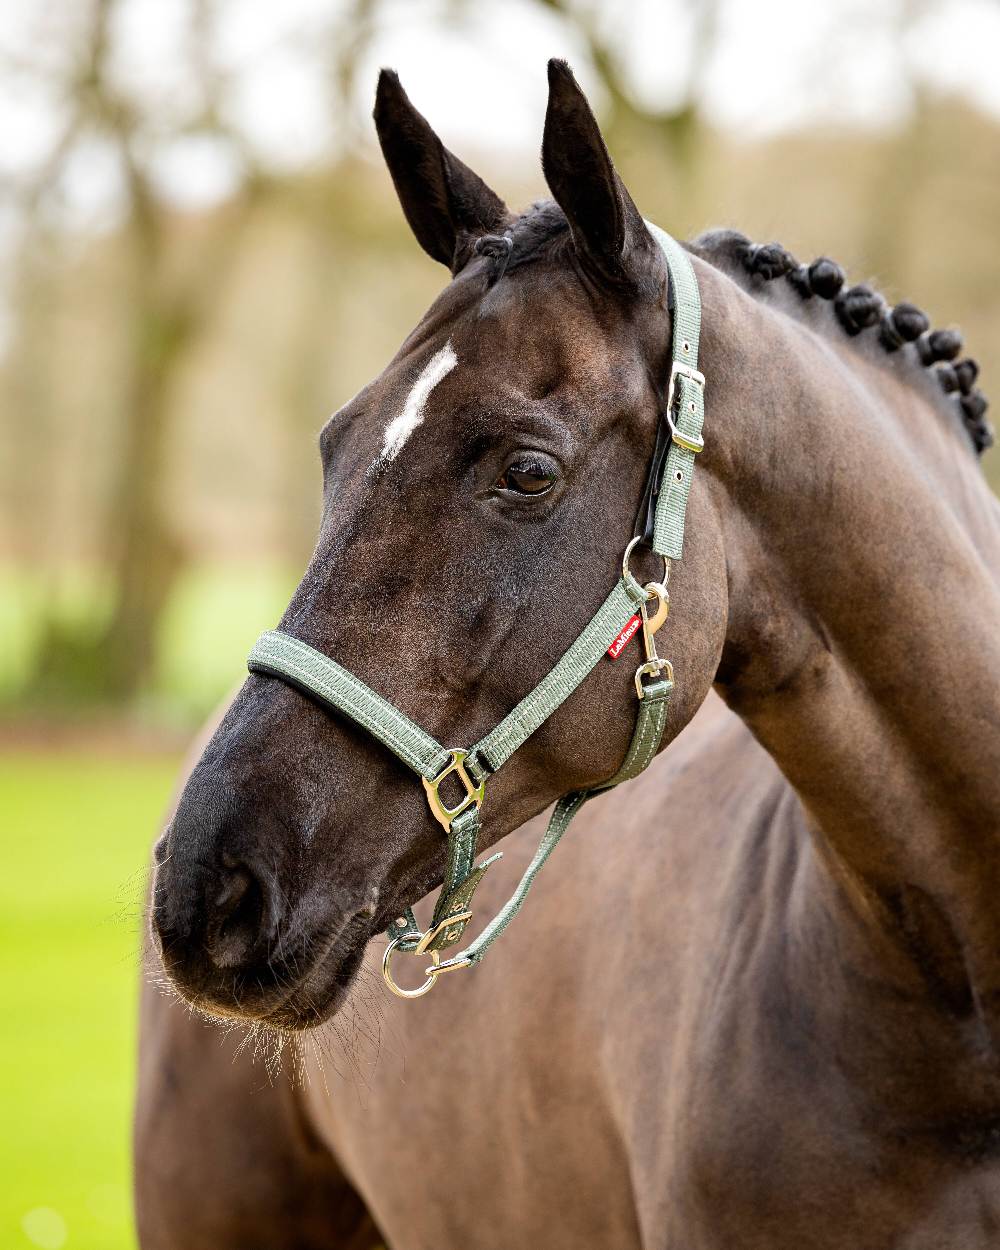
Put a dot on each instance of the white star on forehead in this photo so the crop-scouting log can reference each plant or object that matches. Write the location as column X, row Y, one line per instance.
column 400, row 428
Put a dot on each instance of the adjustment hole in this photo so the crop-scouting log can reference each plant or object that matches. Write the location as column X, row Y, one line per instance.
column 679, row 476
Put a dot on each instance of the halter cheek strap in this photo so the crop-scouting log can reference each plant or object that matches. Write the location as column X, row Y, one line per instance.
column 281, row 655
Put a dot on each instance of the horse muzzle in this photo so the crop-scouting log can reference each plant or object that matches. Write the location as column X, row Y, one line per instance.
column 233, row 946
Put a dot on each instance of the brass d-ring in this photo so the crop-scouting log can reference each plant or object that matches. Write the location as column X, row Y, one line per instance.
column 398, row 989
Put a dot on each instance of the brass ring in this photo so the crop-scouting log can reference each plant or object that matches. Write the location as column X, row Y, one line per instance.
column 626, row 571
column 398, row 989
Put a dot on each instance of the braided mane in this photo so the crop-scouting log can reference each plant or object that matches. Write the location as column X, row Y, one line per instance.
column 859, row 308
column 543, row 230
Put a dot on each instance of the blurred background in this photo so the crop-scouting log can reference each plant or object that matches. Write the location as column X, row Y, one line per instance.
column 201, row 257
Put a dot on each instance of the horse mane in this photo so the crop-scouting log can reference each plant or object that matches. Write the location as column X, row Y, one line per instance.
column 860, row 312
column 857, row 309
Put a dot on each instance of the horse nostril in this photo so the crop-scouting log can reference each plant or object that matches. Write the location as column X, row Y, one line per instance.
column 237, row 919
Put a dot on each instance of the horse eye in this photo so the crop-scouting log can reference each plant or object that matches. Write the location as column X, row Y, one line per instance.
column 526, row 478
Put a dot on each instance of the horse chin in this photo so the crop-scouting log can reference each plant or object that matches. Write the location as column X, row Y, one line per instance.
column 319, row 995
column 280, row 998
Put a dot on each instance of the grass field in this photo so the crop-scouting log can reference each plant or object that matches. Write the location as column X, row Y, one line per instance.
column 75, row 831
column 74, row 839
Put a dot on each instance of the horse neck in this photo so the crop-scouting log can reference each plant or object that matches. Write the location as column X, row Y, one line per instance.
column 863, row 554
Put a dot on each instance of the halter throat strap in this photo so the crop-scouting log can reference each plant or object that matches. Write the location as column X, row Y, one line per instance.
column 283, row 656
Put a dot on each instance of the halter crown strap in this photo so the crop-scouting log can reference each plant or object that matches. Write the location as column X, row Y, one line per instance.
column 281, row 655
column 685, row 398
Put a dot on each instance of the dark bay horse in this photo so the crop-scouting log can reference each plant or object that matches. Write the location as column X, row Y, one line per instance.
column 754, row 1000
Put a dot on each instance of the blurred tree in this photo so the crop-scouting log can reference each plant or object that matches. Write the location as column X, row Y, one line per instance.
column 204, row 356
column 165, row 312
column 677, row 130
column 653, row 144
column 167, row 309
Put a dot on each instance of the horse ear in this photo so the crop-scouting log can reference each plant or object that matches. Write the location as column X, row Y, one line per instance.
column 608, row 231
column 446, row 204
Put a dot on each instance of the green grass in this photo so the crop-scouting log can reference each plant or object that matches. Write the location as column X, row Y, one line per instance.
column 74, row 841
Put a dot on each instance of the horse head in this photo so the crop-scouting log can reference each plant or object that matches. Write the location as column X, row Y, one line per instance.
column 477, row 498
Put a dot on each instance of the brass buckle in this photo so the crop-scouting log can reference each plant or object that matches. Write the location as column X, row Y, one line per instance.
column 460, row 917
column 696, row 444
column 473, row 793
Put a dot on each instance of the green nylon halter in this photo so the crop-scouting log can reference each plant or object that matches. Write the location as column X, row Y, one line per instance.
column 278, row 654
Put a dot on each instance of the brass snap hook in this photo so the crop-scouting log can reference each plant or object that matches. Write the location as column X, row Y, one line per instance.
column 654, row 665
column 657, row 591
column 456, row 922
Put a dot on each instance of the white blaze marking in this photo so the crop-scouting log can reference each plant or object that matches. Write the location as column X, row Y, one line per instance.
column 400, row 428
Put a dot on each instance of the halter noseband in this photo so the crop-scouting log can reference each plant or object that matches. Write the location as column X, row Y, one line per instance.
column 661, row 526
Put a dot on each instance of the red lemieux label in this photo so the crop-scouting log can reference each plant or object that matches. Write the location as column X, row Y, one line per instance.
column 621, row 642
